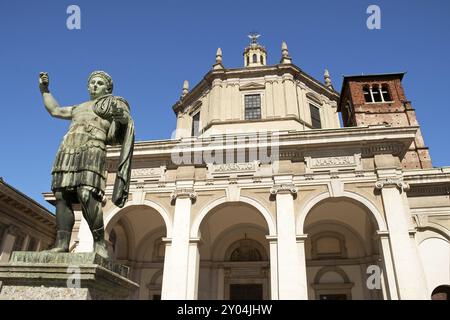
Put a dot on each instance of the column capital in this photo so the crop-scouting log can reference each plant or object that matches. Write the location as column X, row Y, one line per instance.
column 392, row 183
column 283, row 189
column 382, row 234
column 197, row 241
column 301, row 237
column 183, row 194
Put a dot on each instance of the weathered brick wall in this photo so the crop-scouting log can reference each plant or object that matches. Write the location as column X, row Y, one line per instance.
column 397, row 113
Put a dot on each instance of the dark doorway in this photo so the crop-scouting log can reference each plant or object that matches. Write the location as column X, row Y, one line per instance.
column 246, row 292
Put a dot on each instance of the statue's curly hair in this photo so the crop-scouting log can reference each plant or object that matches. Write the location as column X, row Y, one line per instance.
column 105, row 76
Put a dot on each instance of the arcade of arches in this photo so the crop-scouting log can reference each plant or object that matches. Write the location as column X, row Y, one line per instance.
column 238, row 257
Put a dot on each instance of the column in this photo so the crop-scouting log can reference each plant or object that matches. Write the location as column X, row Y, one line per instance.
column 290, row 95
column 388, row 266
column 273, row 267
column 214, row 106
column 302, row 263
column 193, row 269
column 279, row 99
column 39, row 245
column 9, row 238
column 177, row 263
column 25, row 243
column 220, row 283
column 407, row 265
column 270, row 109
column 291, row 285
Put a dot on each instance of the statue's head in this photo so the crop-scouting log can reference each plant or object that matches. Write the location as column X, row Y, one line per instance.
column 99, row 84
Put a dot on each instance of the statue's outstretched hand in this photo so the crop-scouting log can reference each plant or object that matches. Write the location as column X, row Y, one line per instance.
column 43, row 82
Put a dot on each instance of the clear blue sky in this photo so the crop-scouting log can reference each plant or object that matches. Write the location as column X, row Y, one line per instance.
column 150, row 47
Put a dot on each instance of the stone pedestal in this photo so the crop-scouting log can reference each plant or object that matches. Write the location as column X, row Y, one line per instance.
column 63, row 276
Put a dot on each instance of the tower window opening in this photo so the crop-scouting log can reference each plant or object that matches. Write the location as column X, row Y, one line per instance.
column 367, row 95
column 376, row 94
column 385, row 93
column 254, row 58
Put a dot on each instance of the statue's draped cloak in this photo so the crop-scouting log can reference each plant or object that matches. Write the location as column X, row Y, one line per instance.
column 81, row 158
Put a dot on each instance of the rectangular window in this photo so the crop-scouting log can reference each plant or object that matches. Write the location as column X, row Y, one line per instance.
column 252, row 106
column 195, row 124
column 315, row 117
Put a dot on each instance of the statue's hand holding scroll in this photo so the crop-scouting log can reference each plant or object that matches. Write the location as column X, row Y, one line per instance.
column 118, row 114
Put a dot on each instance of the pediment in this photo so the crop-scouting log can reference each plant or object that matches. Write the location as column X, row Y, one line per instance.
column 252, row 86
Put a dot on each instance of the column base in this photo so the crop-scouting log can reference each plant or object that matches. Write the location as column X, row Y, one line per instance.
column 63, row 276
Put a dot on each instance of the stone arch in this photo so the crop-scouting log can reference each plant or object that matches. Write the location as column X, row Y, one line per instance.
column 305, row 209
column 155, row 277
column 195, row 227
column 437, row 229
column 153, row 287
column 128, row 228
column 441, row 292
column 141, row 245
column 115, row 214
column 435, row 257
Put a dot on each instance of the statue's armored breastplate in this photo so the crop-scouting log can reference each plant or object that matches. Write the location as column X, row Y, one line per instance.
column 87, row 128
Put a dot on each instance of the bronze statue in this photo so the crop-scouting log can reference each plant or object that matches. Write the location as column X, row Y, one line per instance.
column 79, row 170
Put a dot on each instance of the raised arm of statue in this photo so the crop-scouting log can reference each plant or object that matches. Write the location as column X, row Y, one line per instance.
column 50, row 102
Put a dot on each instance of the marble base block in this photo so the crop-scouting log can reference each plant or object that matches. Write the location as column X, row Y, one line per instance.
column 63, row 276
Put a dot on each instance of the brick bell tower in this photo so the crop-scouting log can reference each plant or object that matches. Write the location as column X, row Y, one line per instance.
column 380, row 99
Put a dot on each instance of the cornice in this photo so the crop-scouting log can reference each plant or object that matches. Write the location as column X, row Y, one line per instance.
column 366, row 140
column 28, row 207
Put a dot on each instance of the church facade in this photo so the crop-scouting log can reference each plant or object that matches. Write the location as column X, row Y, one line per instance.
column 264, row 194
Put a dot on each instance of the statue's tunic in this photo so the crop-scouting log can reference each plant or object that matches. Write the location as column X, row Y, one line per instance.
column 81, row 158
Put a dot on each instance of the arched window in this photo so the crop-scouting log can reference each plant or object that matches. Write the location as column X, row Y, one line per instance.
column 248, row 60
column 262, row 60
column 367, row 95
column 385, row 93
column 246, row 250
column 255, row 58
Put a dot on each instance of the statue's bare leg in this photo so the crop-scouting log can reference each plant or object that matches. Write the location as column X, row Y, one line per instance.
column 64, row 221
column 92, row 212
